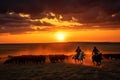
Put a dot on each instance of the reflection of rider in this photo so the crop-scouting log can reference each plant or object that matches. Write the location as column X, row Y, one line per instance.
column 95, row 51
column 78, row 50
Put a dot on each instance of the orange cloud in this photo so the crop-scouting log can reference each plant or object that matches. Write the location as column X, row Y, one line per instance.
column 24, row 15
column 58, row 21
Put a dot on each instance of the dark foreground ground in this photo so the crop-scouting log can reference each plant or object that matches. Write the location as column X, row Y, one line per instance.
column 109, row 70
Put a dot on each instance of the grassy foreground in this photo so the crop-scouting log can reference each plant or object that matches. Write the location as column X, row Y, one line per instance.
column 109, row 70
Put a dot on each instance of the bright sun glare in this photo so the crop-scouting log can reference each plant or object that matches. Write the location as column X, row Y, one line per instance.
column 60, row 36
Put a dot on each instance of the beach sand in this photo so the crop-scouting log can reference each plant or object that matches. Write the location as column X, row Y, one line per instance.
column 109, row 70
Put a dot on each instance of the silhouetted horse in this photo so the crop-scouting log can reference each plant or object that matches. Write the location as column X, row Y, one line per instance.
column 96, row 59
column 79, row 58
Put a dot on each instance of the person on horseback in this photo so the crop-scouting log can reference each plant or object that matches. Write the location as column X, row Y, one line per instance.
column 78, row 50
column 79, row 56
column 95, row 51
column 96, row 56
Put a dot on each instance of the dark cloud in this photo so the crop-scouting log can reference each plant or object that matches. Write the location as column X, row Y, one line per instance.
column 102, row 13
column 14, row 23
column 58, row 6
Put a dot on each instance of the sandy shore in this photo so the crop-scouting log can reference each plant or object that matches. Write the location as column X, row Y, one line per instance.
column 109, row 70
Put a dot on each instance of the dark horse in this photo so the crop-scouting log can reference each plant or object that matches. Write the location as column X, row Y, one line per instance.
column 96, row 59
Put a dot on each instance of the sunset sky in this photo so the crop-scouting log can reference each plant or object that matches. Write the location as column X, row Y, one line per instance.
column 41, row 21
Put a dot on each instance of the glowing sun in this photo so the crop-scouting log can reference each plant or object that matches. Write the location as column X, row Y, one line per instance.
column 60, row 36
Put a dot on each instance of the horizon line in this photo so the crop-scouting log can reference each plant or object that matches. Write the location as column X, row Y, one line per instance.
column 57, row 42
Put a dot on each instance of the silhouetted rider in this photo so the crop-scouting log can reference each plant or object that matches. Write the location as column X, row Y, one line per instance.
column 95, row 51
column 78, row 50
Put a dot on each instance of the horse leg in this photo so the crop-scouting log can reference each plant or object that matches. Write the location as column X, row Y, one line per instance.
column 75, row 60
column 81, row 61
column 97, row 64
column 93, row 61
column 78, row 60
column 100, row 63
